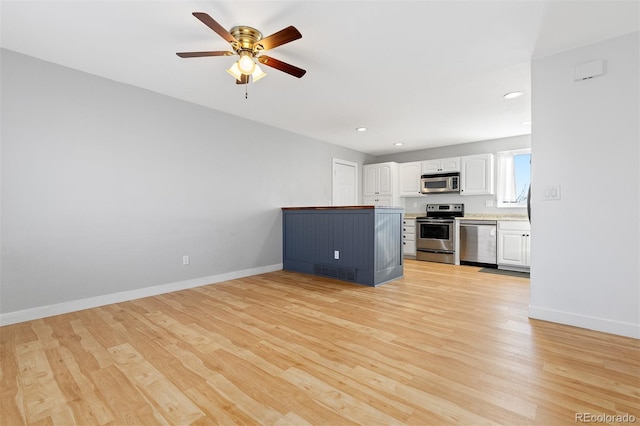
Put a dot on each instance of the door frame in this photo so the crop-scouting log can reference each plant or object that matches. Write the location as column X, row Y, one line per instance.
column 334, row 162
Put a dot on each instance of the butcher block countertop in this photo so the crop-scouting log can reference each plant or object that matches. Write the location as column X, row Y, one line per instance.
column 340, row 207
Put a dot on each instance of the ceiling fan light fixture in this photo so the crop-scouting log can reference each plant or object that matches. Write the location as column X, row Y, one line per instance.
column 248, row 43
column 257, row 74
column 235, row 71
column 246, row 65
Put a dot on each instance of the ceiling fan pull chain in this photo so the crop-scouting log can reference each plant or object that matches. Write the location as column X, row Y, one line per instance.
column 246, row 91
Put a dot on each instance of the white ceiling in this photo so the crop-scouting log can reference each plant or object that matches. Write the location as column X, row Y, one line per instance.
column 424, row 73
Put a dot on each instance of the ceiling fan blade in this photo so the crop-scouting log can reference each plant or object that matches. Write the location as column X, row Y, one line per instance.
column 282, row 66
column 244, row 79
column 283, row 36
column 211, row 23
column 200, row 54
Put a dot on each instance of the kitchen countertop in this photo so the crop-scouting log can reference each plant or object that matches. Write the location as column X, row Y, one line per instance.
column 340, row 208
column 479, row 216
column 489, row 216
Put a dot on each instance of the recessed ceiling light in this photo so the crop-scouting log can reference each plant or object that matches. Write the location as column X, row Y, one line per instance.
column 398, row 144
column 361, row 129
column 513, row 95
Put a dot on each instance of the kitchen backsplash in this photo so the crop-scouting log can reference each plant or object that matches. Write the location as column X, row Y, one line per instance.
column 473, row 204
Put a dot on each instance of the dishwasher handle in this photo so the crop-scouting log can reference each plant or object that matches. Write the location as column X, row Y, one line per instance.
column 478, row 222
column 478, row 226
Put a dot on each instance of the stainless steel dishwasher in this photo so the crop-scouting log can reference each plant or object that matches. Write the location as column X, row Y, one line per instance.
column 478, row 241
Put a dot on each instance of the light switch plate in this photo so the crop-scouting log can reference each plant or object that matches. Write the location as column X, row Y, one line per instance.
column 552, row 192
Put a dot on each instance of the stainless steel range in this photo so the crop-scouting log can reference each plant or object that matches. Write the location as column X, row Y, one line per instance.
column 435, row 233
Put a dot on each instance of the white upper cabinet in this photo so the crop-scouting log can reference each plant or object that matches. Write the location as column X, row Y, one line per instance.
column 380, row 187
column 370, row 177
column 442, row 165
column 380, row 179
column 410, row 178
column 396, row 180
column 476, row 174
column 386, row 178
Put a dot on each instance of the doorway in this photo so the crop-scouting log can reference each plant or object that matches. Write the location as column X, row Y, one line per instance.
column 345, row 183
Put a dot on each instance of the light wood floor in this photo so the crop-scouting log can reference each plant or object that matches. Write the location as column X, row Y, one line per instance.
column 444, row 344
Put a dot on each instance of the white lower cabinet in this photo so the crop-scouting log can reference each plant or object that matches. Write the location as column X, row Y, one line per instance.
column 514, row 244
column 409, row 237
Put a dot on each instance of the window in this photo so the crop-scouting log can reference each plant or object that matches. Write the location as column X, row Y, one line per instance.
column 514, row 177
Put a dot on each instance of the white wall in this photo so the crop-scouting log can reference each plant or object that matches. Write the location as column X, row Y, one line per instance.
column 472, row 203
column 585, row 264
column 106, row 186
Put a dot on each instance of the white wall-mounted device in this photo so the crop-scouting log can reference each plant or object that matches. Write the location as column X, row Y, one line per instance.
column 588, row 70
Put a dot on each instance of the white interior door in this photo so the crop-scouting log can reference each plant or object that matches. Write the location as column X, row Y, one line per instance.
column 345, row 183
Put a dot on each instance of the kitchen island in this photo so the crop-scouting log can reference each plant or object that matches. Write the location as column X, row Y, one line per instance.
column 360, row 244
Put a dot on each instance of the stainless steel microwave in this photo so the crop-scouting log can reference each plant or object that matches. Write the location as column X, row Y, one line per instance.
column 440, row 183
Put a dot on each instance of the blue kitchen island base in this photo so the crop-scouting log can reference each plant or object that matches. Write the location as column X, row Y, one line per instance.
column 360, row 244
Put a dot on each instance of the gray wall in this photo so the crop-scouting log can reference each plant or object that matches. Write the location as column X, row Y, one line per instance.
column 106, row 186
column 585, row 253
column 472, row 203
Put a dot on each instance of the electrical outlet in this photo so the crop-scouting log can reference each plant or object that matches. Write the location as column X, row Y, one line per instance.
column 336, row 254
column 185, row 260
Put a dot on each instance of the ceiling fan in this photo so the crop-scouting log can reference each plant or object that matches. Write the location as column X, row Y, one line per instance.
column 248, row 43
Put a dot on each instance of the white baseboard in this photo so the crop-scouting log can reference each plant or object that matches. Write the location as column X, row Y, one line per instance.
column 582, row 321
column 124, row 296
